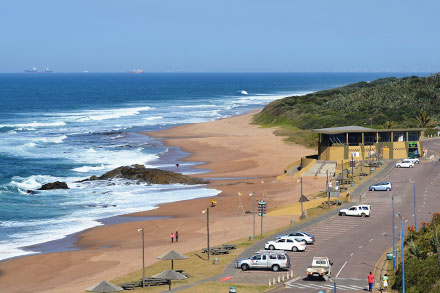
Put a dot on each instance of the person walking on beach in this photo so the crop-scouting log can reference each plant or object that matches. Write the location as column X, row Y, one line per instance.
column 385, row 282
column 370, row 282
column 172, row 237
column 177, row 236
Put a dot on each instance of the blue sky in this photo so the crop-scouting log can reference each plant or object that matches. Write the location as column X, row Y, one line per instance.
column 218, row 36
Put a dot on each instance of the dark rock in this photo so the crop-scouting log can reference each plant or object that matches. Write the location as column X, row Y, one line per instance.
column 148, row 175
column 30, row 191
column 54, row 185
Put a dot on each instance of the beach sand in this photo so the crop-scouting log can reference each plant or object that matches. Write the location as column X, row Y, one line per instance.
column 231, row 147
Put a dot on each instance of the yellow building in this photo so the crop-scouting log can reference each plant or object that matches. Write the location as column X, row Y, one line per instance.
column 340, row 143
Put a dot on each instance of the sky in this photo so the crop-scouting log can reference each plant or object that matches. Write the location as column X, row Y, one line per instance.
column 220, row 35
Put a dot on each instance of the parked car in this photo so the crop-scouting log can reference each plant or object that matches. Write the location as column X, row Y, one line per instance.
column 359, row 210
column 265, row 259
column 385, row 185
column 405, row 164
column 321, row 267
column 306, row 237
column 414, row 160
column 286, row 243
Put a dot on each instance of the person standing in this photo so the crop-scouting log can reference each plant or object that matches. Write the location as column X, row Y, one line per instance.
column 370, row 282
column 172, row 237
column 177, row 236
column 385, row 282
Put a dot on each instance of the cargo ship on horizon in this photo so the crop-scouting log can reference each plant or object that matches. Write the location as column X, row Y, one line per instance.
column 136, row 71
column 36, row 70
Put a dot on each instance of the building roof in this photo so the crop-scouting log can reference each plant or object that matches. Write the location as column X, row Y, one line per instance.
column 354, row 128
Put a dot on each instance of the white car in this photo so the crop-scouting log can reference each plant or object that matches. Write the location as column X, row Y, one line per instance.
column 414, row 160
column 360, row 210
column 405, row 164
column 286, row 243
column 306, row 237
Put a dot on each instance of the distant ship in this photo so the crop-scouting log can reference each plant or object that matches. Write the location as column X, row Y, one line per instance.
column 36, row 70
column 85, row 71
column 136, row 71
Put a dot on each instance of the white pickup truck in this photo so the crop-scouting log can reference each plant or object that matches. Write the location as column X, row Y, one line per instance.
column 362, row 210
column 321, row 268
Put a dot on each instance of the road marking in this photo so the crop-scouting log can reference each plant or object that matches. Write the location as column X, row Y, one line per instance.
column 360, row 246
column 351, row 254
column 371, row 239
column 341, row 269
column 407, row 220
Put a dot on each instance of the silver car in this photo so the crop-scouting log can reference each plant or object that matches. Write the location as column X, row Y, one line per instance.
column 265, row 259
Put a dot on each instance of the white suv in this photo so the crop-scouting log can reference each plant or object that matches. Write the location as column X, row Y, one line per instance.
column 286, row 243
column 405, row 164
column 360, row 210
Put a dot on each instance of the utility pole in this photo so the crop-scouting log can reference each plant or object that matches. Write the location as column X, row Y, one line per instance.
column 253, row 205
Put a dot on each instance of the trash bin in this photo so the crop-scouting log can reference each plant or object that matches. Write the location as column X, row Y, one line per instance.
column 251, row 238
column 215, row 261
column 389, row 256
column 232, row 289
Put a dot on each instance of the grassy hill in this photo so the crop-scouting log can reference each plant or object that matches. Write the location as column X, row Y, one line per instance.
column 383, row 103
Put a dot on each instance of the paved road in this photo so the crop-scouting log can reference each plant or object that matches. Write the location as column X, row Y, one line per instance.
column 355, row 244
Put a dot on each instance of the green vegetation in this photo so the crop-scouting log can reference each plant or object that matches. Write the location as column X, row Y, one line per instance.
column 422, row 271
column 383, row 103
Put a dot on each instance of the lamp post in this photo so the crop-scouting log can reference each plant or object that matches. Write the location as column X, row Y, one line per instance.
column 253, row 205
column 143, row 257
column 403, row 255
column 207, row 228
column 394, row 239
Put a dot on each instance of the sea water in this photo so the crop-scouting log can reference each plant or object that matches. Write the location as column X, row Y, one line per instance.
column 67, row 127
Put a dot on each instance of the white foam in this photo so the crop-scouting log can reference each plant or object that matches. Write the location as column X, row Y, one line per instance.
column 56, row 139
column 34, row 124
column 153, row 118
column 85, row 169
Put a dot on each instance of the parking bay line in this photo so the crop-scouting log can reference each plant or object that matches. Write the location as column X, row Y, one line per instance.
column 341, row 269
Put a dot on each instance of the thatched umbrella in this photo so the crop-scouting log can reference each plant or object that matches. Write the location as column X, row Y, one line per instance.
column 104, row 286
column 170, row 275
column 172, row 254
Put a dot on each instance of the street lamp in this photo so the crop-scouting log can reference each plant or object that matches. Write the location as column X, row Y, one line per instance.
column 415, row 205
column 403, row 255
column 207, row 228
column 394, row 239
column 253, row 205
column 143, row 257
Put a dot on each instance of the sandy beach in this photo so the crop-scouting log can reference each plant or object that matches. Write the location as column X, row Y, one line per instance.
column 231, row 147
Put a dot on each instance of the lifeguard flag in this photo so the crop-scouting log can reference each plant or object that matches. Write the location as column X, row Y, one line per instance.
column 240, row 194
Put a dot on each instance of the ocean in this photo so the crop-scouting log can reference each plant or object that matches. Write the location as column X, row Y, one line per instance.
column 67, row 127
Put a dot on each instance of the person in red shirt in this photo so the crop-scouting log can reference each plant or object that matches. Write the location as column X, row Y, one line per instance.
column 370, row 282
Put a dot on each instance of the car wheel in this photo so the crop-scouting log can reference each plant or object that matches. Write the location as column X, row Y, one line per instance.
column 271, row 247
column 363, row 215
column 294, row 248
column 411, row 166
column 342, row 214
column 275, row 268
column 373, row 189
column 388, row 189
column 398, row 166
column 244, row 267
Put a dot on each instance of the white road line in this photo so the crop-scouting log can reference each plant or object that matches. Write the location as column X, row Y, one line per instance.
column 407, row 220
column 341, row 269
column 371, row 239
column 351, row 254
column 360, row 246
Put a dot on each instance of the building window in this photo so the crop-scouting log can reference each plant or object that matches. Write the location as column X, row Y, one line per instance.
column 413, row 136
column 399, row 136
column 369, row 138
column 384, row 137
column 354, row 138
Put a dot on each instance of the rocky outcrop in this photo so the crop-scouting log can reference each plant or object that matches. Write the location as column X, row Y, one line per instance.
column 148, row 175
column 54, row 185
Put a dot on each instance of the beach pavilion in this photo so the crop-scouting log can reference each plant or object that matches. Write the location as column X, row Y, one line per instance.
column 341, row 143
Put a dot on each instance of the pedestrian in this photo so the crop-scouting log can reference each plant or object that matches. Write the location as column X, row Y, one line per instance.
column 172, row 237
column 177, row 236
column 370, row 282
column 177, row 166
column 385, row 282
